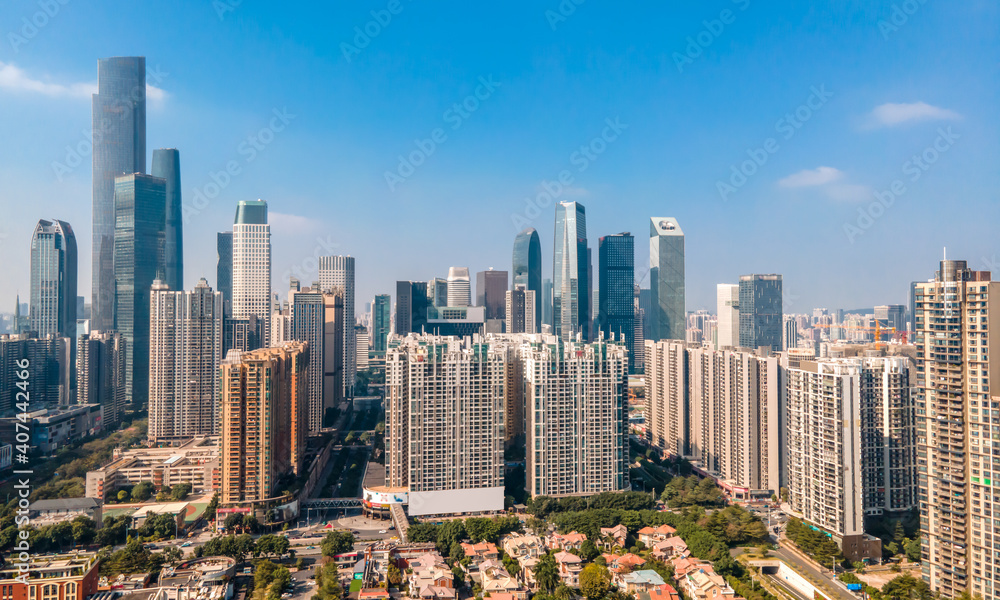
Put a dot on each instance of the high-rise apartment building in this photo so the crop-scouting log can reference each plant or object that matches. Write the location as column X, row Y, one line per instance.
column 527, row 268
column 445, row 422
column 100, row 374
column 361, row 341
column 53, row 280
column 576, row 419
column 119, row 125
column 138, row 261
column 616, row 303
column 381, row 324
column 547, row 302
column 459, row 287
column 167, row 166
column 281, row 325
column 570, row 270
column 185, row 334
column 337, row 272
column 727, row 303
column 667, row 414
column 520, row 310
column 491, row 294
column 760, row 312
column 263, row 422
column 790, row 333
column 638, row 364
column 666, row 279
column 317, row 318
column 252, row 266
column 957, row 413
column 47, row 370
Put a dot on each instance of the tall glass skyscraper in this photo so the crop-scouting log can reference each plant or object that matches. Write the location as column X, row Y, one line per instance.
column 138, row 261
column 570, row 298
column 666, row 279
column 411, row 306
column 616, row 274
column 224, row 270
column 53, row 280
column 528, row 268
column 252, row 266
column 119, row 125
column 167, row 165
column 381, row 316
column 760, row 311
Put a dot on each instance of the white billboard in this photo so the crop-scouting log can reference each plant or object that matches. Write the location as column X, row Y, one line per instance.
column 456, row 501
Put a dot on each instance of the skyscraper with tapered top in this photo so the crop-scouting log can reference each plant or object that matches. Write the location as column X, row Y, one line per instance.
column 252, row 266
column 53, row 279
column 167, row 166
column 570, row 270
column 527, row 268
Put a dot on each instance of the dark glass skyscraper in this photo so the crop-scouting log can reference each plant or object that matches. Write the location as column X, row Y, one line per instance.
column 616, row 274
column 570, row 298
column 138, row 260
column 224, row 270
column 119, row 122
column 381, row 315
column 528, row 268
column 167, row 165
column 53, row 280
column 491, row 293
column 411, row 306
column 760, row 311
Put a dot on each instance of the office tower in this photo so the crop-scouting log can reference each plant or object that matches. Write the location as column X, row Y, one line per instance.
column 224, row 270
column 308, row 324
column 590, row 320
column 381, row 323
column 457, row 460
column 337, row 272
column 252, row 266
column 791, row 333
column 639, row 337
column 520, row 305
column 47, row 371
column 849, row 441
column 616, row 272
column 167, row 166
column 956, row 413
column 459, row 287
column 760, row 311
column 53, row 281
column 727, row 302
column 891, row 319
column 723, row 408
column 411, row 306
column 437, row 292
column 666, row 279
column 138, row 261
column 576, row 418
column 570, row 289
column 491, row 294
column 100, row 375
column 527, row 269
column 361, row 340
column 459, row 321
column 547, row 302
column 185, row 342
column 119, row 125
column 263, row 420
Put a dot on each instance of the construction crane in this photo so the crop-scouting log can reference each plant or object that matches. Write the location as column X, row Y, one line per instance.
column 878, row 329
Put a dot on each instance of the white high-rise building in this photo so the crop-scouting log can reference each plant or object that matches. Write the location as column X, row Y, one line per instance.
column 790, row 332
column 521, row 310
column 728, row 310
column 459, row 287
column 252, row 266
column 185, row 334
column 281, row 325
column 337, row 272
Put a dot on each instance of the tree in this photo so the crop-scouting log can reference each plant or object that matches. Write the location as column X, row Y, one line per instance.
column 337, row 542
column 547, row 572
column 263, row 574
column 269, row 544
column 250, row 523
column 233, row 522
column 906, row 587
column 122, row 495
column 142, row 491
column 589, row 551
column 394, row 575
column 563, row 592
column 912, row 549
column 328, row 583
column 180, row 491
column 173, row 554
column 456, row 553
column 84, row 530
column 595, row 581
column 893, row 548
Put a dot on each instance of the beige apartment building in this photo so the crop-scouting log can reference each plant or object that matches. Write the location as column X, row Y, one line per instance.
column 264, row 419
column 958, row 444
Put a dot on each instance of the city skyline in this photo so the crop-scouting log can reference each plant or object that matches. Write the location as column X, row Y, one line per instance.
column 856, row 143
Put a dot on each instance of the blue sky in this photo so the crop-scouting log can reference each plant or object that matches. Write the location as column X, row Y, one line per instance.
column 696, row 91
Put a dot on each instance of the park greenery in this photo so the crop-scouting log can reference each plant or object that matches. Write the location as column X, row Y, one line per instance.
column 814, row 542
column 270, row 580
column 337, row 542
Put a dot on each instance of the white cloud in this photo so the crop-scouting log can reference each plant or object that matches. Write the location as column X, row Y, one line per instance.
column 811, row 177
column 16, row 79
column 891, row 114
column 286, row 224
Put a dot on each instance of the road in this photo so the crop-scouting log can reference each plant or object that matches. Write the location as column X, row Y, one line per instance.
column 810, row 571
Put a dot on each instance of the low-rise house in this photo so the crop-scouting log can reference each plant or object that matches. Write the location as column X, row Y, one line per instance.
column 429, row 571
column 496, row 579
column 527, row 574
column 478, row 554
column 373, row 594
column 686, row 564
column 664, row 592
column 614, row 537
column 519, row 546
column 570, row 566
column 651, row 535
column 706, row 584
column 640, row 581
column 624, row 563
column 571, row 541
column 670, row 548
column 436, row 592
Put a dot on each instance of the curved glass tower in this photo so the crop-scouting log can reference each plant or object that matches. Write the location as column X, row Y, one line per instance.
column 528, row 268
column 167, row 165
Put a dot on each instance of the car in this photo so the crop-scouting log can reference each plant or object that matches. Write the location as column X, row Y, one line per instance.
column 392, row 528
column 383, row 531
column 185, row 544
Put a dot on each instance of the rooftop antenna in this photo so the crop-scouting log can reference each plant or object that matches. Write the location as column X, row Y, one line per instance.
column 946, row 253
